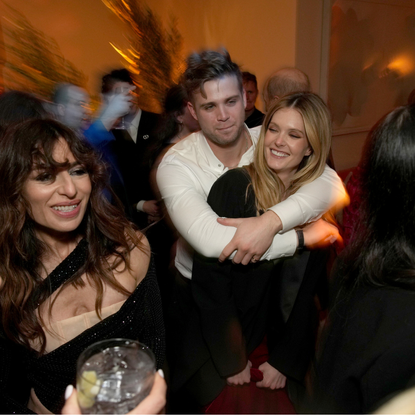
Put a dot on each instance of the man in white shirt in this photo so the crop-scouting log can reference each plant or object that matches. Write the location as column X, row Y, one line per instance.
column 185, row 177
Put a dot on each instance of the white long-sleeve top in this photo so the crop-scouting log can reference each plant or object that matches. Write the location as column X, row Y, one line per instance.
column 185, row 177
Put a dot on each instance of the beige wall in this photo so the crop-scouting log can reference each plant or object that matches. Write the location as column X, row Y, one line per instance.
column 312, row 47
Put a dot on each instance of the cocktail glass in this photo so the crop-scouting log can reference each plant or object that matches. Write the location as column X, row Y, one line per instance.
column 121, row 90
column 114, row 376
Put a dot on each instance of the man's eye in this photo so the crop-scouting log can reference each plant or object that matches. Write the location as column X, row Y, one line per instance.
column 208, row 107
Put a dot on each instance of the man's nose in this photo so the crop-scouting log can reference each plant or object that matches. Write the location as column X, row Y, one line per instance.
column 222, row 113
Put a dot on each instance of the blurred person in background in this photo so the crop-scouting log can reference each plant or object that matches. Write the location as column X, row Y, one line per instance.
column 253, row 116
column 134, row 134
column 72, row 106
column 176, row 123
column 282, row 82
column 72, row 109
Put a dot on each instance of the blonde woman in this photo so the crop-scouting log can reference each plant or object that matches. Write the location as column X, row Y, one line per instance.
column 240, row 306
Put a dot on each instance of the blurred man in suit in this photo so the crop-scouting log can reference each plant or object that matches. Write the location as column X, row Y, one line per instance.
column 133, row 136
column 72, row 108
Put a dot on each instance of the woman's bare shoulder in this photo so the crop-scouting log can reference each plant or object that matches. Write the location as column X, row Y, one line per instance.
column 140, row 258
column 140, row 254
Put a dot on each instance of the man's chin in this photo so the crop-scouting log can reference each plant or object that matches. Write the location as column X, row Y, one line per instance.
column 226, row 140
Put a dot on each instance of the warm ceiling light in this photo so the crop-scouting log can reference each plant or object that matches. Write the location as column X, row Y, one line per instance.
column 401, row 65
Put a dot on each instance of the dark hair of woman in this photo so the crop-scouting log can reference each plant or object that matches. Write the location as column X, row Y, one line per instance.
column 169, row 126
column 383, row 252
column 174, row 104
column 24, row 147
column 18, row 106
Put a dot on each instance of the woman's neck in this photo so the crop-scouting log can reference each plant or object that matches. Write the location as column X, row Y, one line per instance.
column 286, row 180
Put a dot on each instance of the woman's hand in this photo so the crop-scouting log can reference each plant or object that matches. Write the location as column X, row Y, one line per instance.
column 241, row 377
column 153, row 404
column 273, row 379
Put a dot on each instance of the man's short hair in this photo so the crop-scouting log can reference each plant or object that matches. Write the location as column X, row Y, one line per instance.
column 286, row 81
column 249, row 77
column 207, row 66
column 117, row 75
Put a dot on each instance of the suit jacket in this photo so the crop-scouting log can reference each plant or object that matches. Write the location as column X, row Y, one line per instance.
column 133, row 164
column 255, row 119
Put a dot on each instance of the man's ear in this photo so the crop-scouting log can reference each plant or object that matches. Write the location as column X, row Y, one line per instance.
column 179, row 117
column 60, row 110
column 244, row 97
column 192, row 110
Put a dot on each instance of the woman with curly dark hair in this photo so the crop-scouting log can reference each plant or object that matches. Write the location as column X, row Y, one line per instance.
column 73, row 270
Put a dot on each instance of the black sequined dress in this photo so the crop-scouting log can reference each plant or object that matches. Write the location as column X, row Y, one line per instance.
column 140, row 317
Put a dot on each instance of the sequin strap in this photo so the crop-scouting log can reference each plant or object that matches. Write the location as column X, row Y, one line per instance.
column 71, row 264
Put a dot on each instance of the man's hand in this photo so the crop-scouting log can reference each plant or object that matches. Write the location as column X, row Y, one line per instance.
column 273, row 379
column 320, row 234
column 241, row 377
column 151, row 207
column 118, row 105
column 252, row 238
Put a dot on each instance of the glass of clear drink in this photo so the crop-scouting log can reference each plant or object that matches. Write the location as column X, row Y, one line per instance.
column 114, row 376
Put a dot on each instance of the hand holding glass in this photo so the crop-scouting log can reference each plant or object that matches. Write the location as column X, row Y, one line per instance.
column 122, row 90
column 114, row 376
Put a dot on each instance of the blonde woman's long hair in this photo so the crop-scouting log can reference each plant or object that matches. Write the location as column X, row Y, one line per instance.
column 268, row 187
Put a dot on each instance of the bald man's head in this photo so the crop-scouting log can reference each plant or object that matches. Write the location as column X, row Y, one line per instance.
column 283, row 82
column 71, row 105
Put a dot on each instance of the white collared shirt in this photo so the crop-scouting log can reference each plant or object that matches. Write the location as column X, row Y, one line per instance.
column 185, row 177
column 132, row 128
